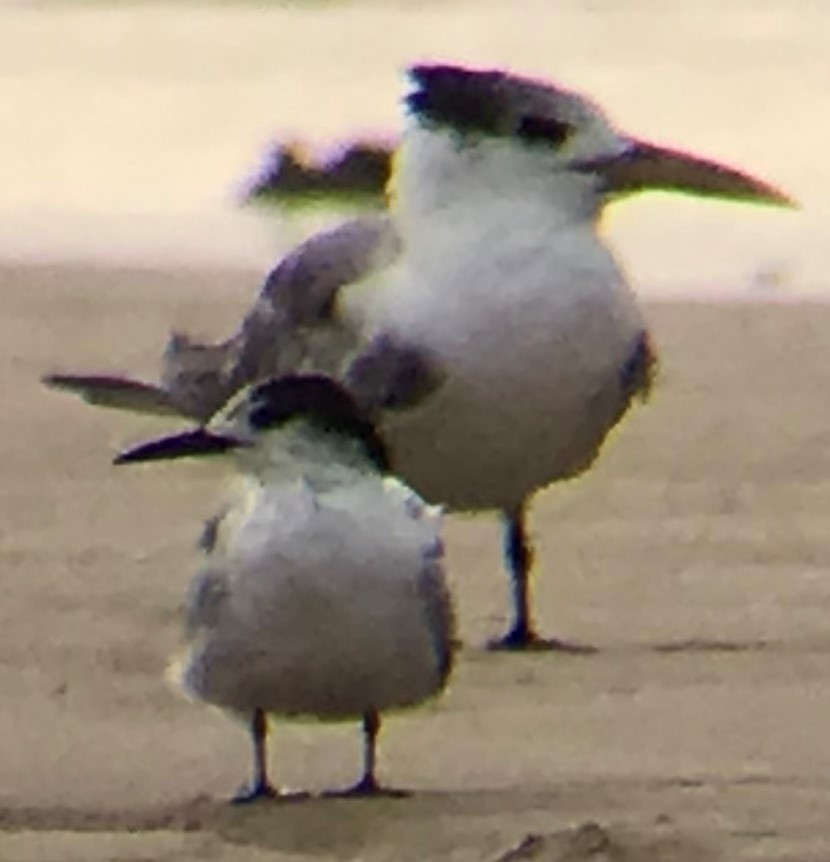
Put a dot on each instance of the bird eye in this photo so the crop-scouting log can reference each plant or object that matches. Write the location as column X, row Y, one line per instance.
column 260, row 418
column 544, row 129
column 262, row 412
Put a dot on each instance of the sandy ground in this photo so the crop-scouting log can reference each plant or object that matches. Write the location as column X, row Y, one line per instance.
column 694, row 556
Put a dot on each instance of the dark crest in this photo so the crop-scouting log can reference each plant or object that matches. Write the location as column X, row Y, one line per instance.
column 319, row 400
column 488, row 102
column 457, row 97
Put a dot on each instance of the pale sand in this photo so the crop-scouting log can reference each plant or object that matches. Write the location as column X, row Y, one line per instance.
column 695, row 556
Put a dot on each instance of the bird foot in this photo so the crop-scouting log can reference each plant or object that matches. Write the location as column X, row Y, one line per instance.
column 265, row 791
column 520, row 640
column 366, row 788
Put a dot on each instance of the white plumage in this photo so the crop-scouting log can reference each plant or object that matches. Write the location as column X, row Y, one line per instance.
column 526, row 312
column 313, row 602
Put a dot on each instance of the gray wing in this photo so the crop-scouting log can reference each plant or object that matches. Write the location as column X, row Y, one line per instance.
column 388, row 374
column 206, row 595
column 292, row 326
column 195, row 382
column 209, row 536
column 119, row 393
column 634, row 379
column 639, row 371
column 438, row 607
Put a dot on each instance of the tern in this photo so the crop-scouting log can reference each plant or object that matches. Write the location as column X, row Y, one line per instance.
column 324, row 592
column 481, row 316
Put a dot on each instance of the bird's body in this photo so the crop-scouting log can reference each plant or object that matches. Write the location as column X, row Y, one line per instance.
column 323, row 593
column 325, row 603
column 482, row 318
column 531, row 322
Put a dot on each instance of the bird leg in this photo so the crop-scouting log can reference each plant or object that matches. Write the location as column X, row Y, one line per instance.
column 260, row 787
column 368, row 784
column 518, row 553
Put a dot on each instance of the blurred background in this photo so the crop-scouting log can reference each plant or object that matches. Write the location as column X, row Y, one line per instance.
column 130, row 129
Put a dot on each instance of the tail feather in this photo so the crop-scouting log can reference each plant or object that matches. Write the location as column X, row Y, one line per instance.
column 118, row 393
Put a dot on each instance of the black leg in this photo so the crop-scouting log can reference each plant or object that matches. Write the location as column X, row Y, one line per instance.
column 368, row 784
column 260, row 787
column 518, row 552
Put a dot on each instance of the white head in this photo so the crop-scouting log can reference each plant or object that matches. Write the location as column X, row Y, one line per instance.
column 299, row 425
column 487, row 135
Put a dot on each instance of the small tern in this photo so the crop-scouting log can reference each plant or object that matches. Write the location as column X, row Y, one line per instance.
column 482, row 315
column 323, row 593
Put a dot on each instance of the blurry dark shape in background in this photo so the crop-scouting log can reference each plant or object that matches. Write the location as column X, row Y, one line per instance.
column 357, row 170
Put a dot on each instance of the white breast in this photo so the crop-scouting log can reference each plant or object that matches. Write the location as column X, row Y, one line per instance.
column 532, row 321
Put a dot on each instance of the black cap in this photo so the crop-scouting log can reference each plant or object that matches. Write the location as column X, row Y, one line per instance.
column 321, row 401
column 491, row 103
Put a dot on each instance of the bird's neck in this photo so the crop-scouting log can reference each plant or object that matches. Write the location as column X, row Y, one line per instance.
column 438, row 187
column 320, row 460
